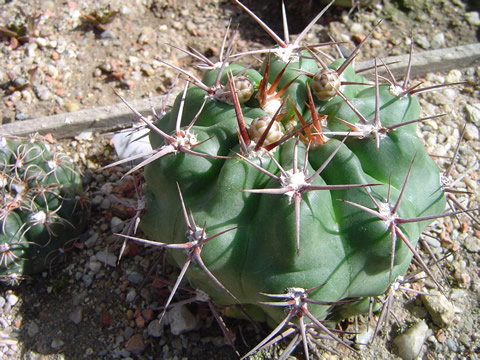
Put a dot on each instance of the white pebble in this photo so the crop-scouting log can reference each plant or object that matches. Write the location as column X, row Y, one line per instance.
column 471, row 132
column 31, row 49
column 128, row 144
column 473, row 113
column 473, row 18
column 42, row 42
column 131, row 294
column 410, row 343
column 57, row 344
column 454, row 76
column 472, row 244
column 12, row 299
column 438, row 41
column 106, row 258
column 116, row 224
column 364, row 337
column 356, row 28
column 422, row 41
column 181, row 320
column 440, row 308
column 94, row 266
column 133, row 60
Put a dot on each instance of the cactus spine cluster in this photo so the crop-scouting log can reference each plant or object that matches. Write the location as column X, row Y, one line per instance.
column 41, row 208
column 293, row 190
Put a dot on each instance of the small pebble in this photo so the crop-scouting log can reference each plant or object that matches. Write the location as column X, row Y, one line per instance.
column 135, row 344
column 87, row 280
column 177, row 25
column 135, row 277
column 439, row 307
column 12, row 299
column 133, row 60
column 191, row 27
column 90, row 242
column 42, row 92
column 57, row 344
column 136, row 75
column 364, row 337
column 433, row 242
column 473, row 113
column 422, row 41
column 458, row 294
column 155, row 329
column 128, row 332
column 20, row 81
column 42, row 42
column 465, row 340
column 94, row 266
column 410, row 343
column 129, row 314
column 473, row 18
column 97, row 200
column 140, row 322
column 472, row 244
column 471, row 132
column 356, row 28
column 454, row 76
column 438, row 41
column 452, row 345
column 76, row 315
column 116, row 224
column 20, row 117
column 181, row 320
column 32, row 49
column 105, row 204
column 71, row 106
column 147, row 35
column 147, row 69
column 106, row 258
column 108, row 35
column 131, row 294
column 52, row 71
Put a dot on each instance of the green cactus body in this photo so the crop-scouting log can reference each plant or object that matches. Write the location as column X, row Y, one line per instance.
column 40, row 206
column 343, row 247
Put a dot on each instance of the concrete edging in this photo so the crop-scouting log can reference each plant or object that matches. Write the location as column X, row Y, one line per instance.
column 116, row 116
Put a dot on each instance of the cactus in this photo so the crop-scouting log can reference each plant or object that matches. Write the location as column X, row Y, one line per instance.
column 41, row 206
column 298, row 189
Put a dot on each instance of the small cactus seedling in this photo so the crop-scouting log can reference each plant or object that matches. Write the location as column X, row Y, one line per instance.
column 20, row 29
column 101, row 17
column 40, row 212
column 307, row 185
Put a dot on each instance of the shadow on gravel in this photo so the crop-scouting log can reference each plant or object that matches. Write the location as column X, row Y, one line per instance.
column 63, row 318
column 59, row 323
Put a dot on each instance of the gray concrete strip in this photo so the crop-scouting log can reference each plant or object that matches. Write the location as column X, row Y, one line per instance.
column 98, row 119
column 113, row 117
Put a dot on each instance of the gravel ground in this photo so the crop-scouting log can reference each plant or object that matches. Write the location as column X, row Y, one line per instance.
column 87, row 306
